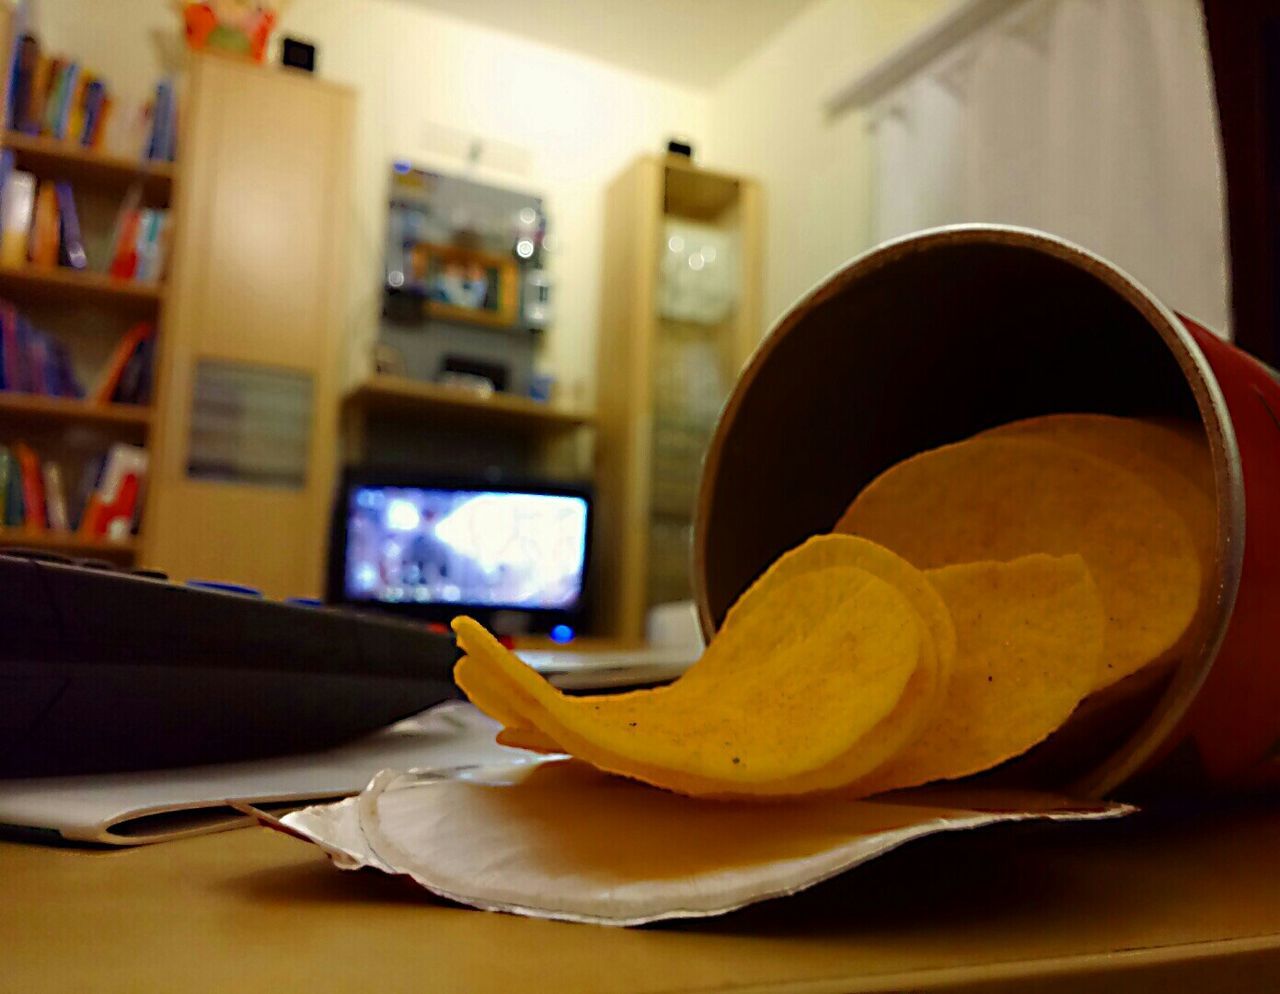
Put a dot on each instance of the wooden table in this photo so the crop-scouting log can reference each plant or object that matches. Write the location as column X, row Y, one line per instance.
column 1167, row 905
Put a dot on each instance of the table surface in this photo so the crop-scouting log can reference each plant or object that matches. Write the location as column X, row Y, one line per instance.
column 1179, row 902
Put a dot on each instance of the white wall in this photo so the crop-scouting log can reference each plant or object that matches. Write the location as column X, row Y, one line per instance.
column 766, row 121
column 578, row 121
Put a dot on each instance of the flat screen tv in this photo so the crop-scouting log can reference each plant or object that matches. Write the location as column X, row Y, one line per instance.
column 435, row 547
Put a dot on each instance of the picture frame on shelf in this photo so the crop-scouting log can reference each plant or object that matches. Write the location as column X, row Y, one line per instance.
column 462, row 284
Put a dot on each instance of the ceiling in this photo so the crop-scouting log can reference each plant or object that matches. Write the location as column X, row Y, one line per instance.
column 689, row 42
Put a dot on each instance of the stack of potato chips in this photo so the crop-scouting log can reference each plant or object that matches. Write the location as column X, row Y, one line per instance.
column 967, row 602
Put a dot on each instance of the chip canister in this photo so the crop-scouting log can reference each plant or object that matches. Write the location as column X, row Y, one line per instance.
column 934, row 337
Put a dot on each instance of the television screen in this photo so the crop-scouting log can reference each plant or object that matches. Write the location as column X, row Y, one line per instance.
column 488, row 548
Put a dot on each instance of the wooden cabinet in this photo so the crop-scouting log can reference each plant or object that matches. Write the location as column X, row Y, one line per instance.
column 663, row 371
column 252, row 323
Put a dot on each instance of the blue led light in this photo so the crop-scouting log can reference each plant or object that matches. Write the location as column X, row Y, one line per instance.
column 561, row 634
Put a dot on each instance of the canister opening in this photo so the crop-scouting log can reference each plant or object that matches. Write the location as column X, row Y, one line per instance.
column 923, row 342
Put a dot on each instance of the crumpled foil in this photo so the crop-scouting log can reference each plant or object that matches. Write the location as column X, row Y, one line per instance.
column 550, row 837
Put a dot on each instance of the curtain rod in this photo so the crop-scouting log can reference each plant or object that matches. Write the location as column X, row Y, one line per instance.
column 953, row 27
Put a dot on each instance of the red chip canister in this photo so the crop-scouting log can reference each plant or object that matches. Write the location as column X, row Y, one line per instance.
column 932, row 338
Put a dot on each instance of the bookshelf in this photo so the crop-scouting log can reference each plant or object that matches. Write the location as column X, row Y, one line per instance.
column 88, row 312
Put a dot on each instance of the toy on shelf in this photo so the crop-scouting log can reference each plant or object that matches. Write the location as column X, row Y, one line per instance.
column 235, row 27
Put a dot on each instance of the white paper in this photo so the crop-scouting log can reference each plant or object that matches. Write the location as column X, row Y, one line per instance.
column 106, row 808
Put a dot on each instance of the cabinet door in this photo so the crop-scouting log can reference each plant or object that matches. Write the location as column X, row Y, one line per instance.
column 245, row 447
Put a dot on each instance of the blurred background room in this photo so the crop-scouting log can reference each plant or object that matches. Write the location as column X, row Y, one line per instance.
column 424, row 305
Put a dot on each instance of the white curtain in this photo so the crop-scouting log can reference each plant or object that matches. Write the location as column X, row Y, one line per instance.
column 1090, row 119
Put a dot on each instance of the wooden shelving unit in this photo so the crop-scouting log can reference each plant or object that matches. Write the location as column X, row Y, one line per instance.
column 86, row 310
column 67, row 543
column 498, row 410
column 32, row 407
column 652, row 436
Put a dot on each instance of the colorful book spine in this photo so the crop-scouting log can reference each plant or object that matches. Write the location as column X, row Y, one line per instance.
column 14, row 512
column 44, row 227
column 74, row 124
column 72, row 251
column 32, row 487
column 39, row 94
column 26, row 62
column 66, row 94
column 14, row 361
column 94, row 98
column 128, row 344
column 17, row 206
column 6, row 472
column 111, row 510
column 55, row 498
column 53, row 96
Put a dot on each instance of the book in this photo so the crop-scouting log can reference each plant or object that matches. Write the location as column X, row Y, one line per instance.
column 110, row 510
column 122, row 257
column 105, row 389
column 72, row 251
column 66, row 93
column 6, row 168
column 25, row 63
column 55, row 498
column 135, row 381
column 73, row 127
column 94, row 100
column 10, row 343
column 32, row 487
column 45, row 228
column 87, row 485
column 53, row 98
column 14, row 512
column 39, row 359
column 101, row 122
column 6, row 472
column 17, row 205
column 39, row 93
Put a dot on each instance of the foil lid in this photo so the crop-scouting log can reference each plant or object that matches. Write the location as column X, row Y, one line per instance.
column 550, row 837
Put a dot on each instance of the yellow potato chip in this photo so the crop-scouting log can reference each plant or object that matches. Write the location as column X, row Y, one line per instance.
column 927, row 688
column 1142, row 448
column 499, row 699
column 1182, row 445
column 792, row 685
column 1029, row 637
column 527, row 738
column 1000, row 498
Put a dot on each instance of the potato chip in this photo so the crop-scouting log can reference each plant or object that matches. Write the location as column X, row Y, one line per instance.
column 792, row 683
column 1029, row 644
column 927, row 687
column 518, row 737
column 923, row 695
column 1137, row 446
column 1181, row 444
column 1001, row 498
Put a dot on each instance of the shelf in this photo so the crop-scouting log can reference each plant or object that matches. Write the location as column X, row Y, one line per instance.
column 64, row 160
column 62, row 285
column 68, row 543
column 500, row 410
column 34, row 407
column 697, row 193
